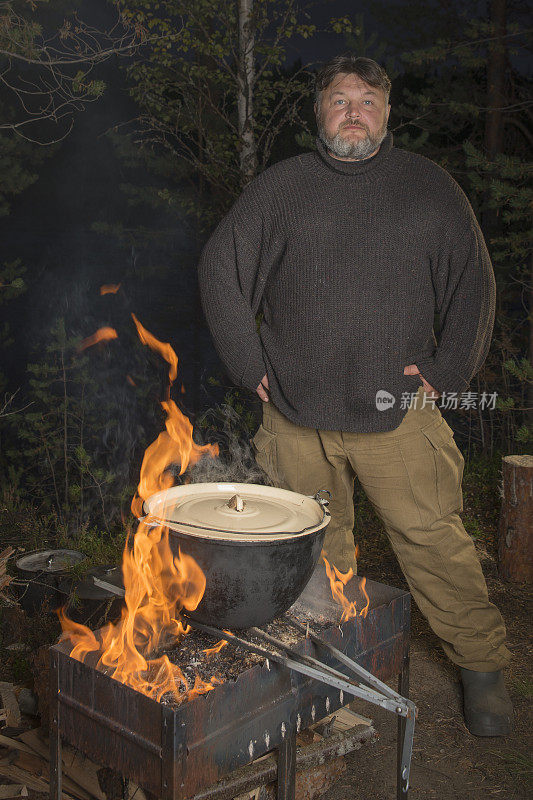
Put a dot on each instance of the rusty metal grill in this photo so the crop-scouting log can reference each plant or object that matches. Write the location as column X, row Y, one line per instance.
column 177, row 753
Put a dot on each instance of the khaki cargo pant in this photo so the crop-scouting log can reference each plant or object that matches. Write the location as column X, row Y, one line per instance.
column 412, row 475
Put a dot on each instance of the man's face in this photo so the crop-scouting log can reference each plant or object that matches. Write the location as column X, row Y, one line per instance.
column 353, row 116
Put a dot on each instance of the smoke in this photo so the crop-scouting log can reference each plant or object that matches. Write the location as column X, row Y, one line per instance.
column 236, row 462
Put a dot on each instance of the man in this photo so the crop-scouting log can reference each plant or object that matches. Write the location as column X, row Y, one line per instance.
column 348, row 251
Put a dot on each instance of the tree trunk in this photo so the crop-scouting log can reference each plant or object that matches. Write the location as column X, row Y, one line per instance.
column 530, row 384
column 516, row 520
column 496, row 70
column 496, row 80
column 248, row 161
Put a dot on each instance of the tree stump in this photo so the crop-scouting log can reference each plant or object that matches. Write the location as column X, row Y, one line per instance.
column 516, row 520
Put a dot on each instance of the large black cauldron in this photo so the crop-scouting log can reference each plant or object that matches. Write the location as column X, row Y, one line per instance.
column 257, row 546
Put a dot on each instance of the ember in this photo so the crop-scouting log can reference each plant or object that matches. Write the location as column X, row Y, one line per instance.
column 102, row 335
column 196, row 656
column 110, row 288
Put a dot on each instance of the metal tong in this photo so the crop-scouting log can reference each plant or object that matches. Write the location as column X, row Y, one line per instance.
column 371, row 689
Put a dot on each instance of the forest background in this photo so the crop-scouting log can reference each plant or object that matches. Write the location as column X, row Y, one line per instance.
column 127, row 129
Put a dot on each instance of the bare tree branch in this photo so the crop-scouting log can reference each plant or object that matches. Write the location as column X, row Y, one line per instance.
column 7, row 401
column 48, row 78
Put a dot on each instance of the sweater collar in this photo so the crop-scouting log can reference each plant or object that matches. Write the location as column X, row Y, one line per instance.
column 355, row 167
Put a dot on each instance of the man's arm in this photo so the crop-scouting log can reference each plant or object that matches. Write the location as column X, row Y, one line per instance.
column 465, row 296
column 231, row 287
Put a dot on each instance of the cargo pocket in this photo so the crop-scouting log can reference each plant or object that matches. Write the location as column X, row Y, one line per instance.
column 264, row 443
column 449, row 466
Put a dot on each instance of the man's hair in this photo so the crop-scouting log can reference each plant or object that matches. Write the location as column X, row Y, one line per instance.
column 365, row 68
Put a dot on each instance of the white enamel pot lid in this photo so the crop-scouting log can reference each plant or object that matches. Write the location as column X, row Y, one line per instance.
column 239, row 512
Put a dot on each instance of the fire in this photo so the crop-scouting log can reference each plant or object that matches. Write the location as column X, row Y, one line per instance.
column 159, row 584
column 210, row 651
column 173, row 446
column 102, row 335
column 163, row 348
column 110, row 288
column 338, row 581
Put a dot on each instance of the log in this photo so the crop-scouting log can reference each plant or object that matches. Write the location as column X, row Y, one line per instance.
column 515, row 540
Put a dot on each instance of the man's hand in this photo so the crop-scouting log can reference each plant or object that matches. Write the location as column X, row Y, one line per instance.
column 412, row 369
column 262, row 389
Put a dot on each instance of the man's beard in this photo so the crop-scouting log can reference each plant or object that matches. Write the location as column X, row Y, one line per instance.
column 346, row 148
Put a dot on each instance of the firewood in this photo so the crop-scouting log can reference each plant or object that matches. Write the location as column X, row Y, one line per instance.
column 14, row 744
column 318, row 765
column 31, row 765
column 516, row 520
column 4, row 557
column 13, row 790
column 5, row 579
column 5, row 554
column 76, row 767
column 14, row 773
column 36, row 784
column 8, row 702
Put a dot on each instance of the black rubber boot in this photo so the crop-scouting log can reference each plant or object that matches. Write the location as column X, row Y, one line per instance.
column 487, row 706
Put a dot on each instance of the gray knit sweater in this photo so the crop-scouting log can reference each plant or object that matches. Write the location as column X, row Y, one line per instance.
column 348, row 262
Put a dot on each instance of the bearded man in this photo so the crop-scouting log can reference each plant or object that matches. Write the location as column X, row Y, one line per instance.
column 348, row 251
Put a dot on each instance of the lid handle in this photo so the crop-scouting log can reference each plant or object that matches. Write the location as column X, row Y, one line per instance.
column 236, row 502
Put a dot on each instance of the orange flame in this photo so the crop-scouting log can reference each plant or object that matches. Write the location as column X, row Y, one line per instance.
column 210, row 651
column 102, row 335
column 159, row 585
column 110, row 288
column 364, row 610
column 163, row 348
column 338, row 581
column 172, row 447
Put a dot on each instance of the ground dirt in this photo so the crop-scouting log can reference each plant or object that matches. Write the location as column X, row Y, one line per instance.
column 448, row 762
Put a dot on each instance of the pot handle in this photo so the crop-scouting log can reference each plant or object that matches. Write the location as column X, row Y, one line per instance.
column 320, row 498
